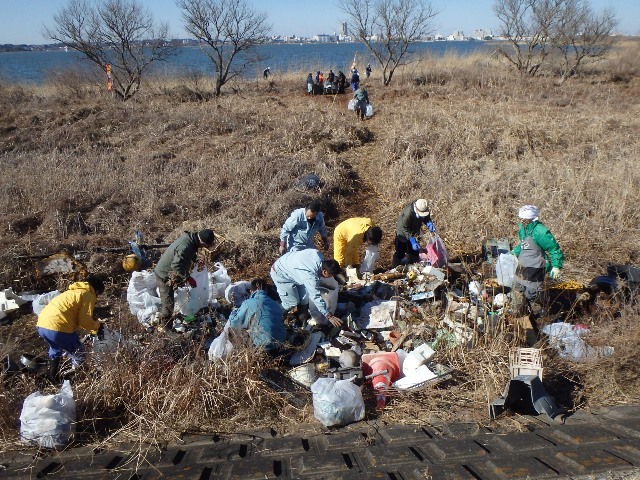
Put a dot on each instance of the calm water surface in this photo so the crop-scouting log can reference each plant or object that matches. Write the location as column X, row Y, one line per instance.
column 37, row 67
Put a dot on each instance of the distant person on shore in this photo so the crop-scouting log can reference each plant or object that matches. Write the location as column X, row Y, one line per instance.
column 362, row 100
column 368, row 70
column 174, row 269
column 266, row 72
column 538, row 253
column 355, row 79
column 261, row 317
column 63, row 316
column 300, row 228
column 331, row 77
column 310, row 84
column 342, row 81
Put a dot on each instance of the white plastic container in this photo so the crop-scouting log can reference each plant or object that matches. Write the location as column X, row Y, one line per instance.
column 506, row 269
column 369, row 111
column 417, row 358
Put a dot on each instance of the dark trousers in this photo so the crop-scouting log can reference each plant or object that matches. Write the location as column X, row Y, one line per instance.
column 168, row 302
column 403, row 247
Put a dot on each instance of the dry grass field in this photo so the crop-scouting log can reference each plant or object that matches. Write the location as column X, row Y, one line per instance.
column 81, row 170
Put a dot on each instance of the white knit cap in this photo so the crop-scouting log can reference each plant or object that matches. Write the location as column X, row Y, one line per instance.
column 528, row 212
column 421, row 207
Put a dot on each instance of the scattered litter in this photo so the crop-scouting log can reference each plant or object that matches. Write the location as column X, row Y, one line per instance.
column 304, row 374
column 569, row 342
column 9, row 302
column 378, row 314
column 61, row 264
column 221, row 346
column 506, row 269
column 309, row 350
column 378, row 362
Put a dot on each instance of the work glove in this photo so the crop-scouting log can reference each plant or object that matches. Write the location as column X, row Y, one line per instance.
column 282, row 249
column 325, row 243
column 431, row 227
column 414, row 244
column 554, row 273
column 191, row 282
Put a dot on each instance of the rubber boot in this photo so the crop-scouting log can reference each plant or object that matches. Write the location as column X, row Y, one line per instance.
column 54, row 370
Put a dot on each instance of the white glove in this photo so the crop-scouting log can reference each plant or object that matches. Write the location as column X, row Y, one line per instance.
column 554, row 273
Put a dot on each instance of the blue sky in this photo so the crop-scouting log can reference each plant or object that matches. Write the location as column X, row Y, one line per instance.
column 21, row 21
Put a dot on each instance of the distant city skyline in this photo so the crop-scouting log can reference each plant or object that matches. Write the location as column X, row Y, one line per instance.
column 21, row 21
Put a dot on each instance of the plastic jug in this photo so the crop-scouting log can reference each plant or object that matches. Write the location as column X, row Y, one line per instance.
column 506, row 269
column 375, row 362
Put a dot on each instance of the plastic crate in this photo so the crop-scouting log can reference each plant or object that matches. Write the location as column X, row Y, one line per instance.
column 525, row 361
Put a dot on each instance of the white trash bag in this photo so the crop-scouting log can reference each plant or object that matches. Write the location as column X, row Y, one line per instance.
column 368, row 112
column 142, row 296
column 337, row 402
column 219, row 280
column 237, row 292
column 41, row 301
column 221, row 345
column 49, row 420
column 191, row 300
column 352, row 104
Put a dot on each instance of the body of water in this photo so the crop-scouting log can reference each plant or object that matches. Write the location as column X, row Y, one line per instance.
column 37, row 67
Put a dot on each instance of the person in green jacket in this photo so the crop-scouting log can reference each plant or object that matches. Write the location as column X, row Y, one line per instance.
column 63, row 316
column 174, row 269
column 538, row 253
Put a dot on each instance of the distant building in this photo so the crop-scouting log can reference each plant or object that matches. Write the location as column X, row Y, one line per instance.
column 344, row 29
column 438, row 37
column 481, row 34
column 457, row 35
column 324, row 38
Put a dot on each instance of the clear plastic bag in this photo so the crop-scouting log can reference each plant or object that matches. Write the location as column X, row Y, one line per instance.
column 506, row 269
column 371, row 255
column 352, row 104
column 337, row 402
column 49, row 420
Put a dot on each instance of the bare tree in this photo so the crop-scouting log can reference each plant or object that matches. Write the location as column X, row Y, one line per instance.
column 388, row 28
column 227, row 29
column 120, row 33
column 562, row 33
column 583, row 37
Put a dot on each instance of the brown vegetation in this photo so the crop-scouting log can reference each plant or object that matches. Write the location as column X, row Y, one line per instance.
column 81, row 169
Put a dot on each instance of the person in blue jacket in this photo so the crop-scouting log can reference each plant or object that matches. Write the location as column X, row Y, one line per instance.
column 300, row 228
column 261, row 317
column 296, row 276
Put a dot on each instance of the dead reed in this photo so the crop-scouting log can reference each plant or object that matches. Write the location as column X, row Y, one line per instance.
column 81, row 170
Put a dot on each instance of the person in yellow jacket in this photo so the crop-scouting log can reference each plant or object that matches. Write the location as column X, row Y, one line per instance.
column 59, row 321
column 349, row 236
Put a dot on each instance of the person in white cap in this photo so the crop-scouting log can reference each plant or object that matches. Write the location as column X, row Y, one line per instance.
column 411, row 219
column 538, row 253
